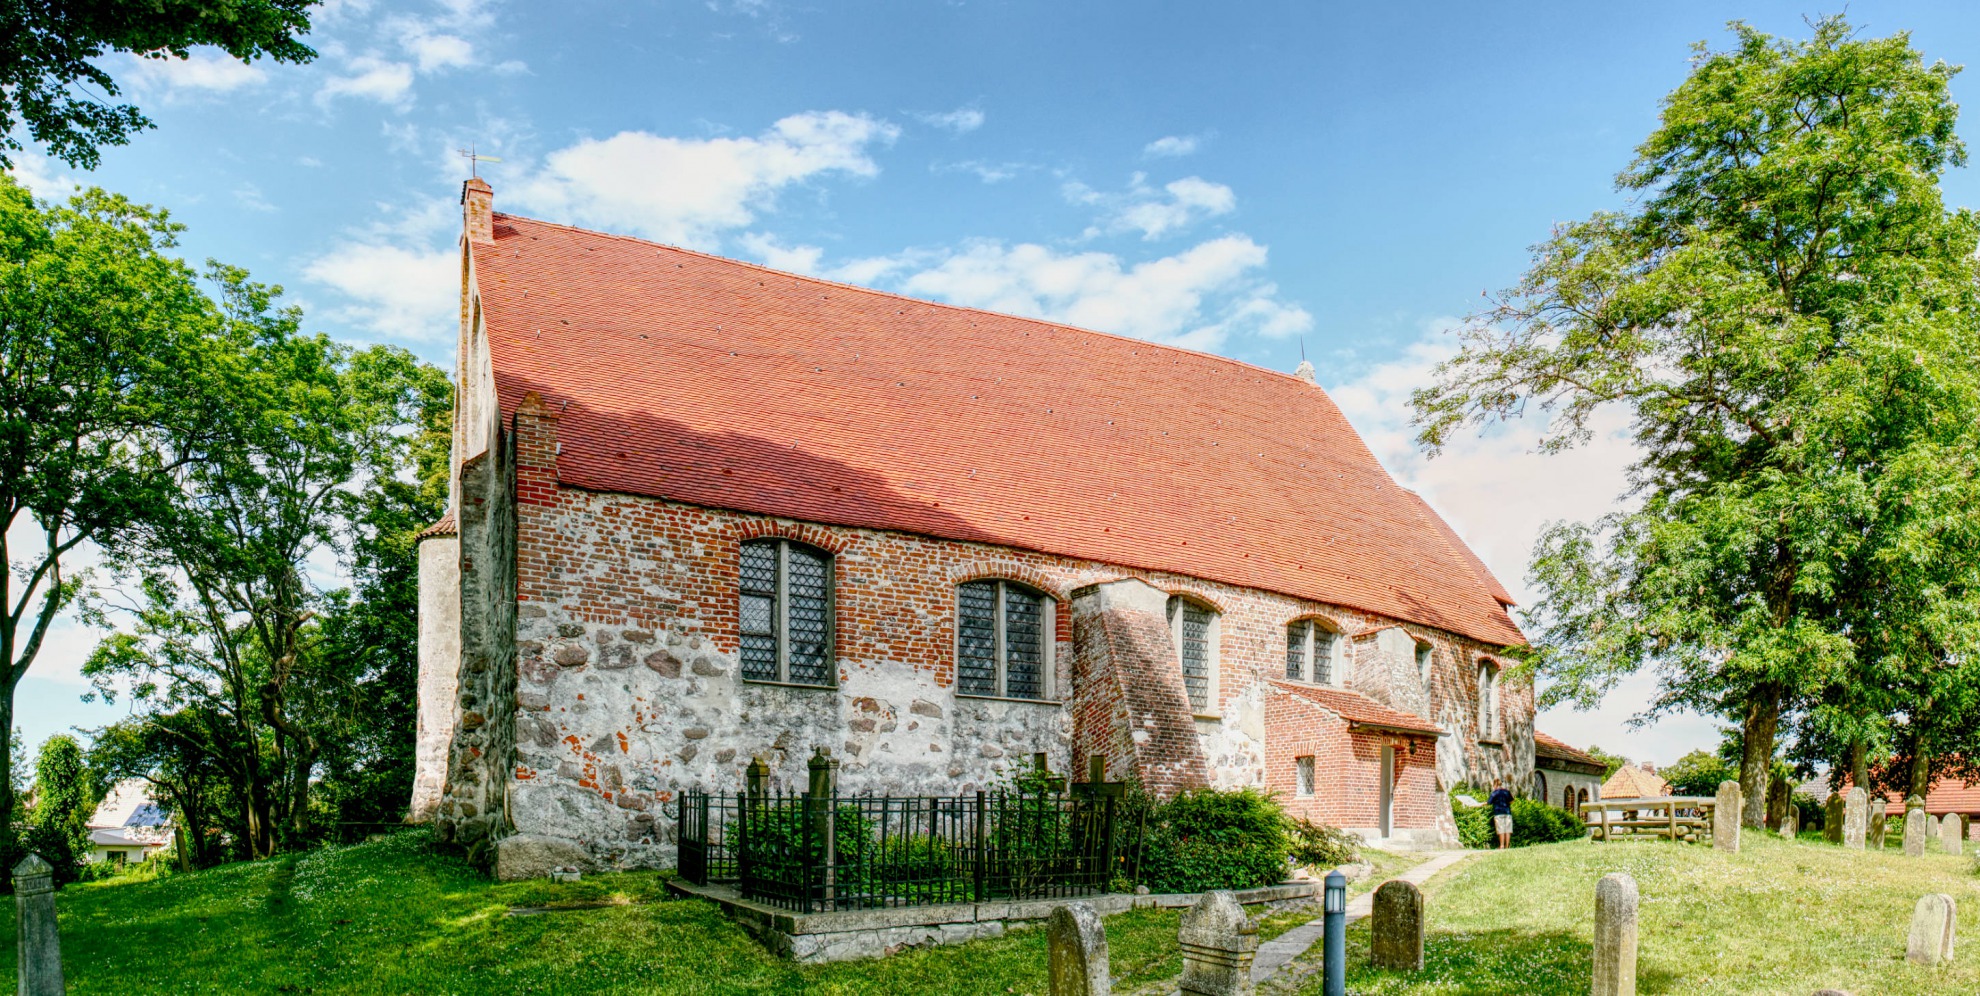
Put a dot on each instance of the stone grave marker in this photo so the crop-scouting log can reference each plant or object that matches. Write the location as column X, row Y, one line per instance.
column 1790, row 822
column 39, row 954
column 1949, row 834
column 1615, row 936
column 1856, row 818
column 1875, row 838
column 1218, row 942
column 1079, row 952
column 1395, row 938
column 1917, row 827
column 1932, row 923
column 1725, row 818
column 1832, row 819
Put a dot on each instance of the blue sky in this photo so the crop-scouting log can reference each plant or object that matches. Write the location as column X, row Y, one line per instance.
column 1248, row 179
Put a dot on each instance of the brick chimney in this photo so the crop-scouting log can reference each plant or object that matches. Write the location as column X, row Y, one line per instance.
column 478, row 210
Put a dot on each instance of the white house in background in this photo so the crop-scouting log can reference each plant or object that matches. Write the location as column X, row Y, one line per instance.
column 128, row 824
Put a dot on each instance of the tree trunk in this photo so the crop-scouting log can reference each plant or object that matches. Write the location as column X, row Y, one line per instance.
column 7, row 758
column 1859, row 764
column 1763, row 717
column 1921, row 772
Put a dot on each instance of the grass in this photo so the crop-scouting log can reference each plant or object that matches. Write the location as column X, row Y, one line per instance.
column 389, row 916
column 1780, row 917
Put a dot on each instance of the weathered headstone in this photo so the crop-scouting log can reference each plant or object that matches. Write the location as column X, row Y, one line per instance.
column 39, row 956
column 1615, row 936
column 1395, row 938
column 1832, row 819
column 1856, row 817
column 1218, row 942
column 1790, row 822
column 1874, row 837
column 1079, row 952
column 1949, row 834
column 1725, row 817
column 1932, row 923
column 1917, row 827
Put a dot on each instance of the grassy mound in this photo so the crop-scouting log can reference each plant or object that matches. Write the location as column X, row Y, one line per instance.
column 1779, row 917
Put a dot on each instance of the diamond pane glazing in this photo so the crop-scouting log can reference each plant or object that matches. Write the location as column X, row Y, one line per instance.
column 1323, row 657
column 759, row 568
column 1024, row 644
column 1196, row 655
column 759, row 657
column 809, row 623
column 1296, row 650
column 976, row 638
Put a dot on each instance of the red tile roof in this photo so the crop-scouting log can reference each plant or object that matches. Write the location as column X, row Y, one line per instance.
column 1548, row 747
column 445, row 527
column 721, row 383
column 1632, row 782
column 1360, row 710
column 1947, row 795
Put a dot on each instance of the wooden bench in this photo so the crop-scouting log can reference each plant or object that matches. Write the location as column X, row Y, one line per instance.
column 1670, row 817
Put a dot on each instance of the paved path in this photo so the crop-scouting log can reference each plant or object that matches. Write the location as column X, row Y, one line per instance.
column 1277, row 953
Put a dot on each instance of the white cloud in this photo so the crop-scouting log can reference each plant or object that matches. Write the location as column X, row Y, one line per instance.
column 38, row 174
column 1199, row 297
column 211, row 71
column 1498, row 491
column 1152, row 212
column 401, row 278
column 439, row 51
column 988, row 172
column 961, row 121
column 1170, row 147
column 371, row 78
column 690, row 191
column 250, row 196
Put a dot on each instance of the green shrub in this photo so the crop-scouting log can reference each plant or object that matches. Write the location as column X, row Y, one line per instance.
column 1210, row 839
column 1474, row 825
column 1317, row 845
column 1534, row 822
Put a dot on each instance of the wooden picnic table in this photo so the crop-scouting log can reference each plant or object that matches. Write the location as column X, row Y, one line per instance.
column 1670, row 817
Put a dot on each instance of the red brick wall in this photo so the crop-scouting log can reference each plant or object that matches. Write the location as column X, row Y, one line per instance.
column 1347, row 768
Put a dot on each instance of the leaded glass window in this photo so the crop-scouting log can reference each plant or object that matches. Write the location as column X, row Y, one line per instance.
column 1488, row 704
column 1192, row 625
column 785, row 611
column 1003, row 640
column 1309, row 640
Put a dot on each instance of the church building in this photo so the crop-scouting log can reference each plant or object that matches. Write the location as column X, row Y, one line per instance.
column 705, row 512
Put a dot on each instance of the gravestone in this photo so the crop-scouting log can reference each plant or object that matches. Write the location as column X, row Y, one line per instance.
column 1395, row 938
column 1790, row 822
column 1832, row 819
column 1725, row 818
column 1079, row 952
column 1615, row 936
column 1856, row 817
column 1917, row 827
column 1932, row 923
column 1875, row 837
column 39, row 955
column 1218, row 942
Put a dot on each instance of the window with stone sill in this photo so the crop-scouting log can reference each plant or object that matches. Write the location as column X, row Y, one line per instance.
column 1312, row 652
column 785, row 607
column 1193, row 626
column 1303, row 773
column 1003, row 640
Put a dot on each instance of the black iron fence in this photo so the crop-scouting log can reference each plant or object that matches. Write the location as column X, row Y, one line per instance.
column 820, row 851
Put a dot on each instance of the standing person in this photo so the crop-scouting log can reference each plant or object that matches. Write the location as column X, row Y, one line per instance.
column 1502, row 812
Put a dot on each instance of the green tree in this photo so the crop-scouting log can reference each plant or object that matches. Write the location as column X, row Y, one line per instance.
column 173, row 751
column 227, row 621
column 102, row 335
column 1611, row 763
column 1698, row 773
column 1784, row 313
column 51, row 52
column 64, row 800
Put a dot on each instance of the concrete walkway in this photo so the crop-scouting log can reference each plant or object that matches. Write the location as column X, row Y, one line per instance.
column 1279, row 952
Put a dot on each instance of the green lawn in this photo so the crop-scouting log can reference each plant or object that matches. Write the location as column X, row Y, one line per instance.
column 1778, row 918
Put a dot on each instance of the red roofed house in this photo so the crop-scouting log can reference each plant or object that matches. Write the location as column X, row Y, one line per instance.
column 1563, row 775
column 1947, row 795
column 704, row 511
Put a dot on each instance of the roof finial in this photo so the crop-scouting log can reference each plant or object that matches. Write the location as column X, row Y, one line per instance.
column 475, row 159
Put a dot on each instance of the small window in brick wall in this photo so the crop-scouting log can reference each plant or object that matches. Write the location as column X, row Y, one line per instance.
column 1194, row 628
column 1310, row 649
column 1303, row 774
column 1003, row 640
column 786, row 613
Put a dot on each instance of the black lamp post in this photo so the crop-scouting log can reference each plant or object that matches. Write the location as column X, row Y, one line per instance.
column 1335, row 905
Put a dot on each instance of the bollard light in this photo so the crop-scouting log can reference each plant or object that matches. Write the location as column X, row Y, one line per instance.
column 1334, row 947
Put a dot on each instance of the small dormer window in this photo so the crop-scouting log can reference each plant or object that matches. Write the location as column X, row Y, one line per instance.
column 1310, row 652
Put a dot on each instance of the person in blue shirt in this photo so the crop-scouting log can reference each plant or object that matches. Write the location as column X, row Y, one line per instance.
column 1502, row 812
